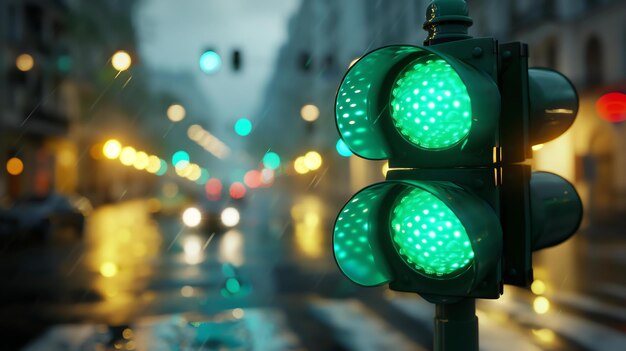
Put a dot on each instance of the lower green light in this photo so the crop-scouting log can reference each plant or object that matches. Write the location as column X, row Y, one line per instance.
column 428, row 235
column 430, row 105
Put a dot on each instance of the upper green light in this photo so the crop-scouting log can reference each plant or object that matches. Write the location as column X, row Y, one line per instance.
column 428, row 235
column 430, row 105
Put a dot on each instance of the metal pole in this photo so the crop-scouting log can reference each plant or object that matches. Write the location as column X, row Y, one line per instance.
column 456, row 326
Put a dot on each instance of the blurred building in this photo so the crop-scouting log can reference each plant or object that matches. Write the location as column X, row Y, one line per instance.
column 33, row 116
column 60, row 96
column 585, row 40
column 325, row 37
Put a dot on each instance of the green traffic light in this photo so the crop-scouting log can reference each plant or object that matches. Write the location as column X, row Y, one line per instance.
column 428, row 235
column 430, row 105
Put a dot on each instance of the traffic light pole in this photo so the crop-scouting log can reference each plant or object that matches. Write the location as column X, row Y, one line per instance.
column 456, row 326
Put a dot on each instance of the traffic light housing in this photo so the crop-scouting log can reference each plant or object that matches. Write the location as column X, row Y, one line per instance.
column 460, row 211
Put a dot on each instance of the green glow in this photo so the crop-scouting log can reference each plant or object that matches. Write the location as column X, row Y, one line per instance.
column 233, row 286
column 210, row 62
column 357, row 255
column 163, row 169
column 243, row 127
column 428, row 235
column 430, row 105
column 356, row 120
column 180, row 158
column 271, row 160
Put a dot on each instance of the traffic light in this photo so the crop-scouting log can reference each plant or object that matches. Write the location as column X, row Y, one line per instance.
column 460, row 212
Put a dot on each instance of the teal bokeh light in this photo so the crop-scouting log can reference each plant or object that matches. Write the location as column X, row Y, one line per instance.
column 180, row 158
column 271, row 160
column 210, row 62
column 163, row 169
column 243, row 127
column 343, row 149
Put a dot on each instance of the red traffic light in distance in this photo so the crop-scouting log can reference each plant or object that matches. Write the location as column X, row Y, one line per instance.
column 612, row 107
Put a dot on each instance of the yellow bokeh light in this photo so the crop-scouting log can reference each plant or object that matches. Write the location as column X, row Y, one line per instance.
column 194, row 172
column 24, row 62
column 300, row 166
column 545, row 335
column 111, row 149
column 310, row 113
column 313, row 160
column 141, row 160
column 128, row 155
column 238, row 313
column 108, row 269
column 537, row 147
column 176, row 113
column 15, row 166
column 183, row 169
column 541, row 305
column 385, row 168
column 186, row 291
column 121, row 60
column 538, row 287
column 154, row 164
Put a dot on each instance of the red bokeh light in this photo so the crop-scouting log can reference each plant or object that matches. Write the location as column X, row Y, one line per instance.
column 213, row 188
column 252, row 179
column 612, row 107
column 237, row 190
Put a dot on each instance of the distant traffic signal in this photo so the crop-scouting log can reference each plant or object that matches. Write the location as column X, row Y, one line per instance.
column 210, row 62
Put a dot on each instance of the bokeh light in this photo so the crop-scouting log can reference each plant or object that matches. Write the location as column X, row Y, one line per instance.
column 267, row 177
column 154, row 164
column 612, row 107
column 121, row 60
column 192, row 217
column 237, row 190
column 128, row 155
column 112, row 149
column 252, row 179
column 213, row 188
column 313, row 160
column 163, row 169
column 108, row 269
column 310, row 113
column 300, row 166
column 230, row 217
column 538, row 287
column 243, row 127
column 141, row 160
column 24, row 62
column 541, row 305
column 210, row 62
column 180, row 159
column 343, row 149
column 15, row 166
column 176, row 113
column 271, row 160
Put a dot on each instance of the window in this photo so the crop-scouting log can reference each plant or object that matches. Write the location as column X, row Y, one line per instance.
column 593, row 61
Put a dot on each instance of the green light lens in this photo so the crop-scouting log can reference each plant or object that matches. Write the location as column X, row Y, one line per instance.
column 428, row 235
column 430, row 105
column 355, row 247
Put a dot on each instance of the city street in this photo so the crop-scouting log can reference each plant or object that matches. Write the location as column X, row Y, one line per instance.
column 444, row 175
column 173, row 286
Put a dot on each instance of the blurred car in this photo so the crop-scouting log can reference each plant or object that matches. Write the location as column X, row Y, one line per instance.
column 208, row 218
column 40, row 217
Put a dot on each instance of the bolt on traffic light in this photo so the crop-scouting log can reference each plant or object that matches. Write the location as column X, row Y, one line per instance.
column 459, row 213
